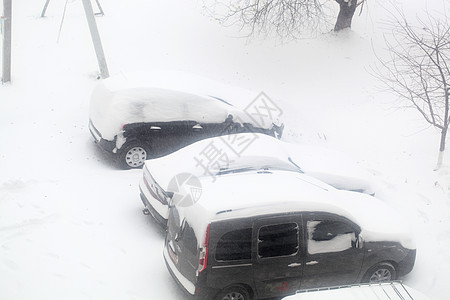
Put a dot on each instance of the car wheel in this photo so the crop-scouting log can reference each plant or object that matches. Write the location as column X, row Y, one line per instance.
column 382, row 272
column 133, row 156
column 233, row 293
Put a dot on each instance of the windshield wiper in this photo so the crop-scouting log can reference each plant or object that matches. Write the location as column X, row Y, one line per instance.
column 297, row 166
column 238, row 170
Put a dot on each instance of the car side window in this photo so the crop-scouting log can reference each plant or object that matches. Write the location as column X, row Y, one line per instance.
column 278, row 240
column 329, row 236
column 235, row 245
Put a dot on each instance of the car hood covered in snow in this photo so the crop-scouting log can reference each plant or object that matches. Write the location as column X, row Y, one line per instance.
column 332, row 167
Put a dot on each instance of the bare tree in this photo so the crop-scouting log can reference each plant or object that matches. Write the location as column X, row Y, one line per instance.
column 285, row 17
column 347, row 10
column 417, row 68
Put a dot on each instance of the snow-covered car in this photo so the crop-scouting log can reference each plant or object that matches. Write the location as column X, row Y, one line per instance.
column 268, row 234
column 233, row 153
column 379, row 291
column 149, row 115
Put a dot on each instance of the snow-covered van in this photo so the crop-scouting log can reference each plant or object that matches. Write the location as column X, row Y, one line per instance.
column 145, row 115
column 261, row 234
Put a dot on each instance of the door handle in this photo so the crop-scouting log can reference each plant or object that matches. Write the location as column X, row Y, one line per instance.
column 313, row 262
column 294, row 265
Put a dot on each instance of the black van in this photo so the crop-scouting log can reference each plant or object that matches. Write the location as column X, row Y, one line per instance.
column 276, row 232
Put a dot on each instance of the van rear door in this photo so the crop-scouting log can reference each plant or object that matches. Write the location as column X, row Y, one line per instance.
column 182, row 250
column 278, row 265
column 230, row 256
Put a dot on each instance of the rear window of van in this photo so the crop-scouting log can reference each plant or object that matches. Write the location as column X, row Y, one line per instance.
column 235, row 245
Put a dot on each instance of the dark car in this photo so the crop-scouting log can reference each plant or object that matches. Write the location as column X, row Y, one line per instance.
column 136, row 122
column 277, row 232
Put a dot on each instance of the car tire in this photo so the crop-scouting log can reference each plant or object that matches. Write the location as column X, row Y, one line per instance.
column 383, row 272
column 133, row 156
column 233, row 293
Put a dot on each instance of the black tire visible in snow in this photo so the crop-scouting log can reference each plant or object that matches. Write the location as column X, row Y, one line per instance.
column 133, row 156
column 233, row 293
column 382, row 272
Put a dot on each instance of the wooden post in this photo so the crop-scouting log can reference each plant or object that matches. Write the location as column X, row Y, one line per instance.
column 96, row 38
column 6, row 60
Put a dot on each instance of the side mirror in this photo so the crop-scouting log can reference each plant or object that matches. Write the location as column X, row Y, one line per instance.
column 359, row 242
column 170, row 200
column 278, row 130
column 180, row 233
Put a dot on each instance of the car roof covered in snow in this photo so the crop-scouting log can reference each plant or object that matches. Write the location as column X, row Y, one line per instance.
column 376, row 291
column 180, row 81
column 257, row 193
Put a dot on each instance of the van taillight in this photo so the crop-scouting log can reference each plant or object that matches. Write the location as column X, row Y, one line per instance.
column 203, row 257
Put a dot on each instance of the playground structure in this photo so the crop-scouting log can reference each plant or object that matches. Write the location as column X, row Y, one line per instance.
column 6, row 29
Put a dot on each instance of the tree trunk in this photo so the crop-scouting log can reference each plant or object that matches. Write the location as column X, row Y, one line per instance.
column 441, row 148
column 346, row 12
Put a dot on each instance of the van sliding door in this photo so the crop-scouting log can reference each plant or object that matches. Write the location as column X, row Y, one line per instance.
column 278, row 264
column 332, row 255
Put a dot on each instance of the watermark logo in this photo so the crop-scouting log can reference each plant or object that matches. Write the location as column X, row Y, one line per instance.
column 186, row 188
column 263, row 111
column 238, row 143
column 212, row 157
column 219, row 154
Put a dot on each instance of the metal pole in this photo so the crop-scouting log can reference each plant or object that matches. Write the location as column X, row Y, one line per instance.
column 101, row 13
column 44, row 9
column 6, row 60
column 95, row 38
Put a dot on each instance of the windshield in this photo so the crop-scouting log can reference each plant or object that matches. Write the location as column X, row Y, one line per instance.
column 245, row 164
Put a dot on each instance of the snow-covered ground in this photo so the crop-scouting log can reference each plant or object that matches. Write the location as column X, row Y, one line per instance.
column 71, row 225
